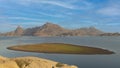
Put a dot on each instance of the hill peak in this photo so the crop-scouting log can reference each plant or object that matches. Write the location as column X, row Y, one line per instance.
column 50, row 24
column 19, row 27
column 19, row 30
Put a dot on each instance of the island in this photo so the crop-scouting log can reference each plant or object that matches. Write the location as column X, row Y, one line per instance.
column 60, row 48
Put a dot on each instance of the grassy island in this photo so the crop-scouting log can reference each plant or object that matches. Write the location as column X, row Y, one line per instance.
column 60, row 48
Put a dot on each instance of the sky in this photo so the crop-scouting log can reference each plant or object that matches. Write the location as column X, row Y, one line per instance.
column 102, row 14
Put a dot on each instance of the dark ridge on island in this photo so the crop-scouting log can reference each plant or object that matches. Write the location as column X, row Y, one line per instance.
column 50, row 29
column 60, row 48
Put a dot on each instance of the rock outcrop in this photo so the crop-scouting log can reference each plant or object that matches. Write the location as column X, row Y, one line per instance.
column 50, row 29
column 31, row 62
column 7, row 63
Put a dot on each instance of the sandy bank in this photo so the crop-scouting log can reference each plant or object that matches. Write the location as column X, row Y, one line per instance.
column 31, row 62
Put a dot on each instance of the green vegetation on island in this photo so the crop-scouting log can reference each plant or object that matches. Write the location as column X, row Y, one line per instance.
column 60, row 48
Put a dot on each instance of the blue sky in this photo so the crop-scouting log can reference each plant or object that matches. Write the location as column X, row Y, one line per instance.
column 103, row 14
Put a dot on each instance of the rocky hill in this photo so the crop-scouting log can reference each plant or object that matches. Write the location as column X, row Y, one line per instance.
column 31, row 62
column 50, row 29
column 17, row 32
column 91, row 31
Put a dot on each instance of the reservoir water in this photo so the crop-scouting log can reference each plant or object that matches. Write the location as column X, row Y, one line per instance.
column 82, row 61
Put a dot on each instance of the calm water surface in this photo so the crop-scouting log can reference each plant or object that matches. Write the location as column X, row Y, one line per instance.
column 83, row 61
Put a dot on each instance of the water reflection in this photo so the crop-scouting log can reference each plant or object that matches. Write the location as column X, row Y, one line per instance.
column 83, row 61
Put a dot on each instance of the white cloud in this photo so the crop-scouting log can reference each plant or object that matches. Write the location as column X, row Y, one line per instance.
column 6, row 24
column 113, row 24
column 112, row 9
column 58, row 3
column 50, row 2
column 52, row 15
column 19, row 18
column 6, row 27
column 69, row 4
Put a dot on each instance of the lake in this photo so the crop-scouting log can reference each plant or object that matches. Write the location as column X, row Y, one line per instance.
column 83, row 61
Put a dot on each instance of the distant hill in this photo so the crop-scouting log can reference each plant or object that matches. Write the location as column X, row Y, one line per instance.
column 50, row 29
column 110, row 34
column 17, row 32
column 91, row 31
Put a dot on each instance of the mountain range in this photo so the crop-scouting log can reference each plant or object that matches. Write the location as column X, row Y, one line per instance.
column 50, row 29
